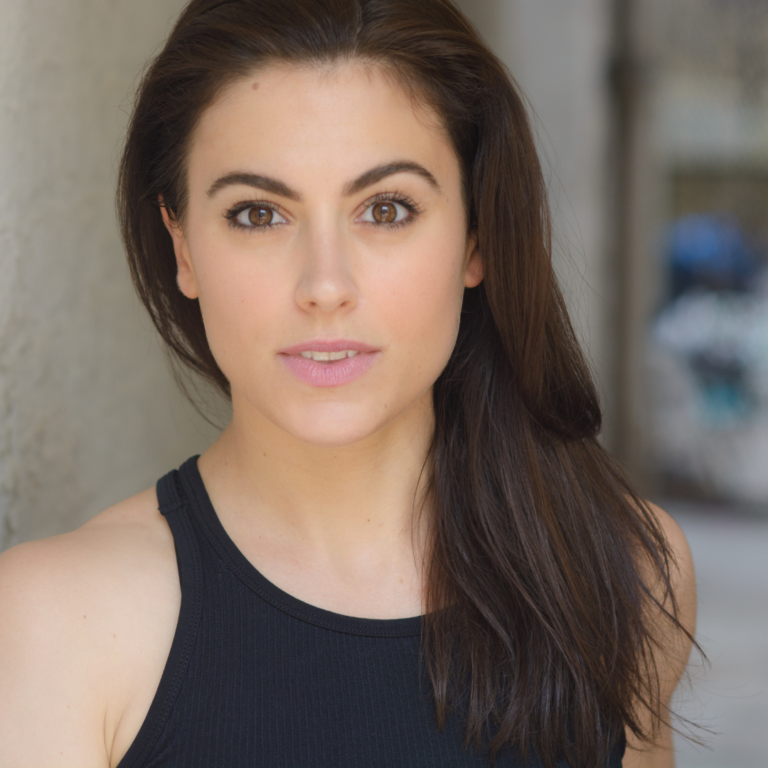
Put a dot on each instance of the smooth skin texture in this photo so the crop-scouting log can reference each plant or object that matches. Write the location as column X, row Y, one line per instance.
column 316, row 487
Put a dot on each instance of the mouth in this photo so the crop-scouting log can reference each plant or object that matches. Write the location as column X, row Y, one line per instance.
column 329, row 363
column 329, row 357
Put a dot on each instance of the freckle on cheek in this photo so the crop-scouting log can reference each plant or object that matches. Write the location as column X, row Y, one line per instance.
column 255, row 86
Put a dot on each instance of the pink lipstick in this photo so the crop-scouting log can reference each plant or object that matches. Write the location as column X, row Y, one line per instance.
column 326, row 363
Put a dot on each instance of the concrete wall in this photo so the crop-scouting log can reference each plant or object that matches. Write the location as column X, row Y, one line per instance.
column 558, row 52
column 88, row 412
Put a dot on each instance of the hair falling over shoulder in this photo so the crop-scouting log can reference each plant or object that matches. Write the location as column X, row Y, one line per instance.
column 544, row 565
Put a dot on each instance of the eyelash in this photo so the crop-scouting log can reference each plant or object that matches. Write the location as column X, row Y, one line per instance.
column 383, row 197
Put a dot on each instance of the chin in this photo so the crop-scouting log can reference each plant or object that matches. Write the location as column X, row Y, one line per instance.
column 336, row 425
column 325, row 434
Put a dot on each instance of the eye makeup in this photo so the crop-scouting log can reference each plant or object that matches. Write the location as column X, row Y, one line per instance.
column 235, row 218
column 396, row 198
column 234, row 215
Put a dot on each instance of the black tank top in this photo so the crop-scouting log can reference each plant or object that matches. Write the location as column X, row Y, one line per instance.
column 256, row 677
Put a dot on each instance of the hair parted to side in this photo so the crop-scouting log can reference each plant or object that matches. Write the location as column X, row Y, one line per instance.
column 543, row 560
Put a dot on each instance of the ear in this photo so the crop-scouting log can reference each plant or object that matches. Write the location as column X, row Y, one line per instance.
column 185, row 273
column 473, row 269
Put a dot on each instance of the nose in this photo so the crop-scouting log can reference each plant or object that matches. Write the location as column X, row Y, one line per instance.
column 325, row 283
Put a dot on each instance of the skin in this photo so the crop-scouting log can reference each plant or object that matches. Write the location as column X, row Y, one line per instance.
column 316, row 487
column 677, row 649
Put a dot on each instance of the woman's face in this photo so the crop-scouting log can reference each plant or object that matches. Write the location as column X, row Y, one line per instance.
column 325, row 220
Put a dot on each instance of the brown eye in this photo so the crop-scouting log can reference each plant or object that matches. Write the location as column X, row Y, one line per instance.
column 260, row 217
column 384, row 213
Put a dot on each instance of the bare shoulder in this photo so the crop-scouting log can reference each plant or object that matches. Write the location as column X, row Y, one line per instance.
column 674, row 644
column 118, row 528
column 78, row 612
column 682, row 571
column 116, row 554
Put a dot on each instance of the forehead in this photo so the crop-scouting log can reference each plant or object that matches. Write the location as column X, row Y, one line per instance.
column 319, row 122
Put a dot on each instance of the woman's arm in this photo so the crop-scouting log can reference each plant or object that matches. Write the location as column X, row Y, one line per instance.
column 677, row 647
column 49, row 694
column 86, row 623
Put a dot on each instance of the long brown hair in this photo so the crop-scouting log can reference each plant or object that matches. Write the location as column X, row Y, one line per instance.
column 543, row 560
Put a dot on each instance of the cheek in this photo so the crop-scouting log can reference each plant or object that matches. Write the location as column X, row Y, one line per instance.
column 241, row 306
column 424, row 306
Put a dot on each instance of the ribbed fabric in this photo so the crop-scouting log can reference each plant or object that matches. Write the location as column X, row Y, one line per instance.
column 256, row 677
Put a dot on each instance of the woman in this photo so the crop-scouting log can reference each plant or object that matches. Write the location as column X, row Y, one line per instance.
column 407, row 548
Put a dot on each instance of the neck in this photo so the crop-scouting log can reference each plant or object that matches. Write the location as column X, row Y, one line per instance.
column 332, row 500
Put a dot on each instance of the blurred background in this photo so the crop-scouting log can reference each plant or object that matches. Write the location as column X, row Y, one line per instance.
column 652, row 118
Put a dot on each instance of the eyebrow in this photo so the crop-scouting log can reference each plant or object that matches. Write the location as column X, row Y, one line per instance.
column 358, row 185
column 253, row 180
column 388, row 169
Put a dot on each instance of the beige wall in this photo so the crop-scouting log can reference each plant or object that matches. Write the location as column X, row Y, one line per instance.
column 558, row 51
column 88, row 413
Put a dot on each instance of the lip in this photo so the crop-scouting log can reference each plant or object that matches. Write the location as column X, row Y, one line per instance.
column 334, row 373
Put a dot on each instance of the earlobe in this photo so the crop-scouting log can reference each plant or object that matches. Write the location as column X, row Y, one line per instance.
column 185, row 274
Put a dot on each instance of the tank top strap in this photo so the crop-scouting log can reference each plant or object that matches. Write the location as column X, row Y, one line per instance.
column 176, row 508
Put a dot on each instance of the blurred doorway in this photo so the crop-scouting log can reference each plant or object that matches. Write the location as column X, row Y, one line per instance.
column 690, row 91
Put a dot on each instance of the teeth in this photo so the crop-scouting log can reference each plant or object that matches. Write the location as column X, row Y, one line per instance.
column 329, row 356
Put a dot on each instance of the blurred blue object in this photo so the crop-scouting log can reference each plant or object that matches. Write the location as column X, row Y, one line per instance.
column 711, row 252
column 708, row 392
column 723, row 382
column 722, row 339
